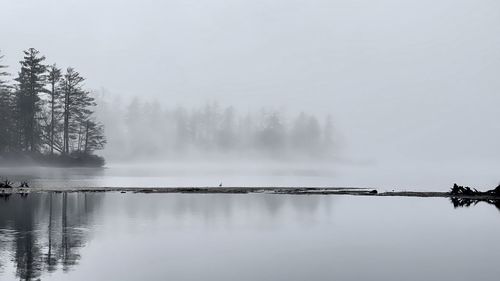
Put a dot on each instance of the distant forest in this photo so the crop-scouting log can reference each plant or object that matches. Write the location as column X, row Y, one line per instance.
column 140, row 129
column 47, row 116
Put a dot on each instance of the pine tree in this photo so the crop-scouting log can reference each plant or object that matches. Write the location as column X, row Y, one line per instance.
column 46, row 111
column 76, row 106
column 31, row 81
column 53, row 78
column 271, row 135
column 3, row 74
column 328, row 131
column 94, row 136
column 6, row 118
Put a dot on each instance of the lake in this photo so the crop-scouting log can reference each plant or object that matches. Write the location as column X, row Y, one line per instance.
column 115, row 236
column 415, row 177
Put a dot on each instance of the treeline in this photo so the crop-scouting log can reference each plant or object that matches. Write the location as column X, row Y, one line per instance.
column 148, row 130
column 47, row 115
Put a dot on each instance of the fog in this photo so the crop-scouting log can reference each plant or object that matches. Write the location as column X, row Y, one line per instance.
column 149, row 131
column 404, row 82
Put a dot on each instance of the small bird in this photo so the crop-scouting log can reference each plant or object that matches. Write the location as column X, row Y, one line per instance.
column 220, row 184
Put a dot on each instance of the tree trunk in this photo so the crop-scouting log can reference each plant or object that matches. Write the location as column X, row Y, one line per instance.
column 66, row 122
column 86, row 136
column 52, row 118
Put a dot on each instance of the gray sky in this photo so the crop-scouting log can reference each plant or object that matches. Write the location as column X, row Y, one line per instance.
column 402, row 78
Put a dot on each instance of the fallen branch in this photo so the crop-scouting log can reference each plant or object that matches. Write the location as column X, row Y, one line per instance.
column 465, row 190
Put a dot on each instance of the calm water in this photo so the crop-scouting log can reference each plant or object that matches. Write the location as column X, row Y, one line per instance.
column 115, row 236
column 398, row 177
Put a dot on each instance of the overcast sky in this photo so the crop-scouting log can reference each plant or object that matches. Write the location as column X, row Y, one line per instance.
column 406, row 78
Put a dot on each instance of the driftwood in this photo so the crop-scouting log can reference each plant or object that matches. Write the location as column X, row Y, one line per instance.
column 8, row 184
column 465, row 190
column 464, row 196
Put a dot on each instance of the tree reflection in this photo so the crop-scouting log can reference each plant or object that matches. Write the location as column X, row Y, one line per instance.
column 468, row 202
column 45, row 232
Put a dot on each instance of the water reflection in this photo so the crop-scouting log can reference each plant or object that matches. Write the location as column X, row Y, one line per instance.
column 227, row 237
column 468, row 202
column 43, row 232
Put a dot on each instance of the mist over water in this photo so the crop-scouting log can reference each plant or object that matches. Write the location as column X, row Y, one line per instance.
column 392, row 95
column 255, row 174
column 214, row 142
column 147, row 130
column 411, row 87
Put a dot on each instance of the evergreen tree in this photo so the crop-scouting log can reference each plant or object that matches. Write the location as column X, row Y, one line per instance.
column 328, row 131
column 226, row 137
column 94, row 136
column 76, row 106
column 271, row 135
column 53, row 78
column 31, row 81
column 7, row 129
column 3, row 74
column 6, row 111
column 47, row 112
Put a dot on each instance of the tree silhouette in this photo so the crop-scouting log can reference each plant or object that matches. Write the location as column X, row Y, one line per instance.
column 54, row 79
column 32, row 80
column 46, row 112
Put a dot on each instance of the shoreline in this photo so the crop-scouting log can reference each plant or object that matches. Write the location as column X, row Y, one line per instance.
column 249, row 190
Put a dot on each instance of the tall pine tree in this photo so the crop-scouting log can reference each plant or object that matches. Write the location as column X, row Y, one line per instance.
column 32, row 80
column 54, row 78
column 76, row 106
column 48, row 112
column 93, row 137
column 6, row 111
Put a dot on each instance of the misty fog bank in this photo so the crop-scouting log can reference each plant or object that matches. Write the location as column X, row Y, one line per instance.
column 146, row 130
column 415, row 176
column 405, row 81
